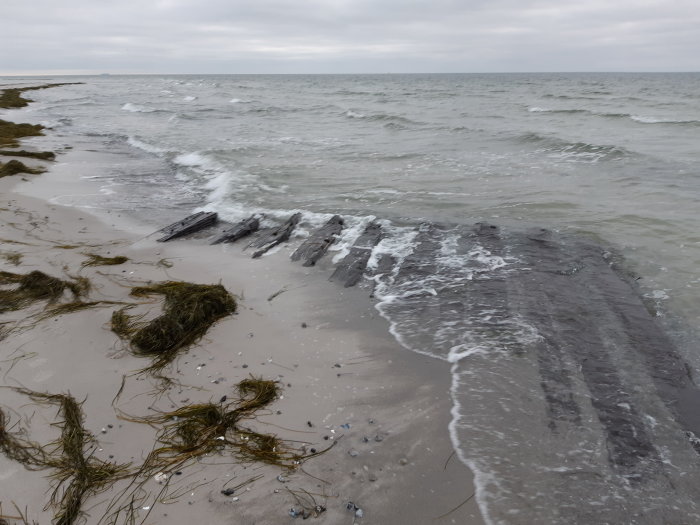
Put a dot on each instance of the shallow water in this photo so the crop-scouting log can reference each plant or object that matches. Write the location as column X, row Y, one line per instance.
column 609, row 160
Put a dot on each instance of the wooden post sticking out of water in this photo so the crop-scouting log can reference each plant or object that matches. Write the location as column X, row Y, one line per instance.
column 193, row 223
column 270, row 238
column 313, row 248
column 238, row 231
column 352, row 267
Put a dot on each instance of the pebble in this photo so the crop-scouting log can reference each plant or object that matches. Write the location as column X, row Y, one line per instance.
column 304, row 325
column 378, row 438
column 234, row 499
column 403, row 461
column 244, row 366
column 353, row 453
column 227, row 492
column 372, row 477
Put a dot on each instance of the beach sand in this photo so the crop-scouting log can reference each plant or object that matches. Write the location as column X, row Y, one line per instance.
column 344, row 378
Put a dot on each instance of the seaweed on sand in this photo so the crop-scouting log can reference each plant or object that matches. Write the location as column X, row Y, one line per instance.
column 189, row 310
column 98, row 260
column 77, row 474
column 12, row 257
column 41, row 155
column 11, row 98
column 195, row 430
column 11, row 132
column 37, row 286
column 14, row 167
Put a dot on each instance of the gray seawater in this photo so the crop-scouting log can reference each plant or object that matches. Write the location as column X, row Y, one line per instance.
column 567, row 405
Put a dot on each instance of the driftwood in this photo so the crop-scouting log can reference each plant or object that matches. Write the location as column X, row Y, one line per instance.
column 270, row 238
column 240, row 230
column 191, row 224
column 351, row 268
column 313, row 248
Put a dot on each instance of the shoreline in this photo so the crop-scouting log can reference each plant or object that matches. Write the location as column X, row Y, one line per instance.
column 349, row 371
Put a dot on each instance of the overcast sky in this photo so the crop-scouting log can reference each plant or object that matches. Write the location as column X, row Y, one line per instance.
column 347, row 36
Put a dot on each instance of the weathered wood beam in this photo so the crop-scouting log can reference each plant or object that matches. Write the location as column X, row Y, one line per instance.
column 313, row 248
column 239, row 230
column 352, row 267
column 193, row 223
column 270, row 238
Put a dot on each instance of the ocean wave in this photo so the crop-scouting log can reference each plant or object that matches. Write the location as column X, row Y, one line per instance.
column 138, row 108
column 145, row 146
column 574, row 151
column 637, row 118
column 548, row 110
column 388, row 120
column 654, row 120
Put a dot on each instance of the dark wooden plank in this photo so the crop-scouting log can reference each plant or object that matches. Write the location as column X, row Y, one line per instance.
column 190, row 224
column 270, row 238
column 238, row 231
column 313, row 248
column 351, row 268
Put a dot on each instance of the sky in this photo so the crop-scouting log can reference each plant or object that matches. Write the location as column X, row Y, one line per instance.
column 347, row 36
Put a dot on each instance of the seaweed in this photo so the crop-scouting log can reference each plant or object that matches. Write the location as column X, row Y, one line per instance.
column 40, row 155
column 195, row 430
column 99, row 260
column 11, row 98
column 73, row 306
column 14, row 167
column 10, row 132
column 12, row 257
column 77, row 474
column 20, row 518
column 37, row 286
column 189, row 310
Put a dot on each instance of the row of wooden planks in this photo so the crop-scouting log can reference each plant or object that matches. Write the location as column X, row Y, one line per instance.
column 349, row 271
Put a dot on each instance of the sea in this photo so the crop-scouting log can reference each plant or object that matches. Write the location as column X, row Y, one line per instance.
column 541, row 235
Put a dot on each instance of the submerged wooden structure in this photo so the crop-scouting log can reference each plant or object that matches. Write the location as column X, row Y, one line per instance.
column 191, row 224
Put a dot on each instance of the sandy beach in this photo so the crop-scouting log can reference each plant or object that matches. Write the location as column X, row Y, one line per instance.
column 343, row 379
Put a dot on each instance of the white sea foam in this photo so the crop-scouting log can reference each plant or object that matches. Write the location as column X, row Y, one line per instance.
column 537, row 109
column 137, row 108
column 194, row 159
column 353, row 229
column 189, row 98
column 354, row 114
column 655, row 120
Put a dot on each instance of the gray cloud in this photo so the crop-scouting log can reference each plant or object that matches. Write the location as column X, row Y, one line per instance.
column 319, row 36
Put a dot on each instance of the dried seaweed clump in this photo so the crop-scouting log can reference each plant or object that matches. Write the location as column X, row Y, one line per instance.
column 195, row 430
column 77, row 473
column 14, row 167
column 99, row 260
column 10, row 132
column 36, row 286
column 188, row 312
